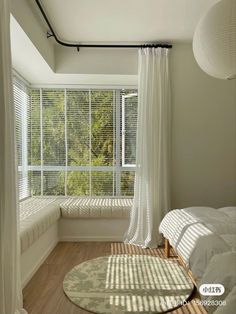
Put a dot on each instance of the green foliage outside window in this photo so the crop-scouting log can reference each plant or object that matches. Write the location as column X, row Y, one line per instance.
column 73, row 133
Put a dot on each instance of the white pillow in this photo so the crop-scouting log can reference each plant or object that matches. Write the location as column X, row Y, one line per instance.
column 229, row 211
column 222, row 227
column 201, row 212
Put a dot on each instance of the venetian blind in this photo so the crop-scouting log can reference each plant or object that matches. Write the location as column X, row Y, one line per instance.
column 22, row 105
column 76, row 143
column 128, row 124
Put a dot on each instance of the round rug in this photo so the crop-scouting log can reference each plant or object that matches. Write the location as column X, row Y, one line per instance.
column 128, row 284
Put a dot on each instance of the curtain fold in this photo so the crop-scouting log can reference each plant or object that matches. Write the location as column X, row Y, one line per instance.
column 10, row 283
column 151, row 189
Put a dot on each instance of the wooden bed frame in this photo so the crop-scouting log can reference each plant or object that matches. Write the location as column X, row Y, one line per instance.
column 180, row 259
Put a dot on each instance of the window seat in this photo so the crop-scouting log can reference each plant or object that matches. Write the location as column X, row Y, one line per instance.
column 80, row 207
column 46, row 220
column 37, row 215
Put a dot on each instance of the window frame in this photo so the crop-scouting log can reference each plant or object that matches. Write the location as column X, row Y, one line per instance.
column 117, row 167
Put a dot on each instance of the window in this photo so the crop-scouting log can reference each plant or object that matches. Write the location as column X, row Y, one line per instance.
column 22, row 104
column 75, row 142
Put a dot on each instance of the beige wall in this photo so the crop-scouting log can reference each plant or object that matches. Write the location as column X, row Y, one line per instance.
column 203, row 135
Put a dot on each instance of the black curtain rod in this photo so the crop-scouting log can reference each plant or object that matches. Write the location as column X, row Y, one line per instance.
column 51, row 33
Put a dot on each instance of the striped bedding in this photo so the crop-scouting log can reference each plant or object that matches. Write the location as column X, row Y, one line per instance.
column 199, row 233
column 96, row 207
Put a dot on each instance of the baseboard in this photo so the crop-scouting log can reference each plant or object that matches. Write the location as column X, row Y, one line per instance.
column 91, row 239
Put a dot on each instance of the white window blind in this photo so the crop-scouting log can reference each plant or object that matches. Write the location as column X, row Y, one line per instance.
column 129, row 125
column 53, row 141
column 22, row 105
column 103, row 141
column 76, row 142
column 35, row 156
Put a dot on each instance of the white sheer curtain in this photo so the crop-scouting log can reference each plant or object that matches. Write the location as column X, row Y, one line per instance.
column 151, row 192
column 10, row 284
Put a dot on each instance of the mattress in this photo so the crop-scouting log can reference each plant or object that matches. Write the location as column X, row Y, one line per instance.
column 37, row 214
column 96, row 207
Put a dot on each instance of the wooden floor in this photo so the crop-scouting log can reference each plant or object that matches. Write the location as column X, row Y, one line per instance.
column 44, row 293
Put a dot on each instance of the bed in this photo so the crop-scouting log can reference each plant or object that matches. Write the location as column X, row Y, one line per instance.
column 204, row 238
column 198, row 233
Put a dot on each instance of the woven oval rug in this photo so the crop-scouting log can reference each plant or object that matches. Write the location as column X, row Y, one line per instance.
column 128, row 284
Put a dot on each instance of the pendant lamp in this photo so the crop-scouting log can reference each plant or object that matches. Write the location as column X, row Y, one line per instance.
column 214, row 41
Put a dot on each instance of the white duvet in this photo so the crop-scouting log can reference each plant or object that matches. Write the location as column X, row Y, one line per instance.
column 199, row 233
column 221, row 270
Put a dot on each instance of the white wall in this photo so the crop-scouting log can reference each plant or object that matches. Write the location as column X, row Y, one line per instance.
column 24, row 13
column 97, row 61
column 203, row 134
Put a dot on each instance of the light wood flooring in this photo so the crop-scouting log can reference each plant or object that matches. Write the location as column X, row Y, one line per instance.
column 44, row 293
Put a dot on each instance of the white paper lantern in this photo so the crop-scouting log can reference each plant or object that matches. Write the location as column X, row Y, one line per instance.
column 214, row 41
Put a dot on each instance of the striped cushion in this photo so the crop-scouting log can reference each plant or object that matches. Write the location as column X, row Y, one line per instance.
column 96, row 207
column 37, row 214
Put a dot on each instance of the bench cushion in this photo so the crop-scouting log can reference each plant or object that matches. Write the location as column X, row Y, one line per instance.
column 96, row 207
column 37, row 214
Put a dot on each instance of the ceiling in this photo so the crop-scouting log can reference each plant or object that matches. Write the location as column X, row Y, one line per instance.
column 38, row 72
column 125, row 20
column 92, row 21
